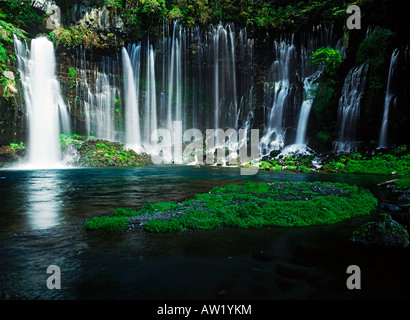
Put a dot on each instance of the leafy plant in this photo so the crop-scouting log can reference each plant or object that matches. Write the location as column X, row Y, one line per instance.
column 22, row 13
column 329, row 58
column 72, row 73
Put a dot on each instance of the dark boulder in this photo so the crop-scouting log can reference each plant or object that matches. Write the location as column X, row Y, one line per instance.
column 382, row 231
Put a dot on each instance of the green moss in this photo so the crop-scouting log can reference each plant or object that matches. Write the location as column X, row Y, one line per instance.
column 381, row 164
column 255, row 205
column 106, row 223
column 72, row 72
column 383, row 231
column 124, row 212
column 75, row 37
column 290, row 163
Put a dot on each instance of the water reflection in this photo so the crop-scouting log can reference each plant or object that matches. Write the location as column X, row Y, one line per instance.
column 43, row 196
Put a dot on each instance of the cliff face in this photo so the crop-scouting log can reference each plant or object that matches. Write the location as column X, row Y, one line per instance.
column 218, row 61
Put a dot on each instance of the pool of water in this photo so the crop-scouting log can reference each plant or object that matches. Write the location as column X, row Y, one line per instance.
column 41, row 216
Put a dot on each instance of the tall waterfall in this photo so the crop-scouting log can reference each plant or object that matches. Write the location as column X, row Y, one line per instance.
column 131, row 93
column 387, row 101
column 179, row 79
column 349, row 108
column 98, row 95
column 290, row 79
column 225, row 88
column 47, row 114
column 202, row 78
column 273, row 138
column 305, row 111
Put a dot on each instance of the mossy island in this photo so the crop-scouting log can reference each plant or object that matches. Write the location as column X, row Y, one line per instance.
column 248, row 205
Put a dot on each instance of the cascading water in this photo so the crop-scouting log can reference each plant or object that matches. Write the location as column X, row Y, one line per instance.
column 132, row 125
column 288, row 101
column 186, row 88
column 349, row 108
column 150, row 116
column 97, row 95
column 225, row 87
column 46, row 111
column 387, row 101
column 203, row 79
column 304, row 113
column 273, row 138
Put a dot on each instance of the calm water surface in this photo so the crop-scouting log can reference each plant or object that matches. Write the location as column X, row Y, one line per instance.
column 41, row 216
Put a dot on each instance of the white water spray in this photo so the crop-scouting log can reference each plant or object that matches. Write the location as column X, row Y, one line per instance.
column 47, row 114
column 387, row 101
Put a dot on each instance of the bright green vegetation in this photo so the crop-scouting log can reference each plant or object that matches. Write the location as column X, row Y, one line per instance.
column 72, row 73
column 101, row 153
column 17, row 146
column 329, row 58
column 396, row 161
column 22, row 14
column 380, row 163
column 253, row 205
column 299, row 164
column 258, row 13
column 72, row 37
column 7, row 59
column 147, row 16
column 74, row 138
column 106, row 223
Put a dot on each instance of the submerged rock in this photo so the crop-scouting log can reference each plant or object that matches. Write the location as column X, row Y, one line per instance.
column 383, row 231
column 391, row 207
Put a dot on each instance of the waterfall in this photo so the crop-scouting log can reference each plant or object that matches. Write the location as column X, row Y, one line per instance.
column 132, row 125
column 150, row 116
column 349, row 108
column 225, row 84
column 273, row 138
column 304, row 116
column 174, row 107
column 387, row 101
column 199, row 78
column 46, row 111
column 97, row 95
column 104, row 101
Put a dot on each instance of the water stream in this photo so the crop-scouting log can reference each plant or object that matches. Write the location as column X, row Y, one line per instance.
column 41, row 216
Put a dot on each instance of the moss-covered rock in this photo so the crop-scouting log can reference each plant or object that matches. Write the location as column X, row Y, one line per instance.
column 103, row 153
column 254, row 205
column 384, row 231
column 10, row 154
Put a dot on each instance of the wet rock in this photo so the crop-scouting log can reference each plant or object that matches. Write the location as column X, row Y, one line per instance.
column 8, row 75
column 405, row 197
column 382, row 231
column 391, row 207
